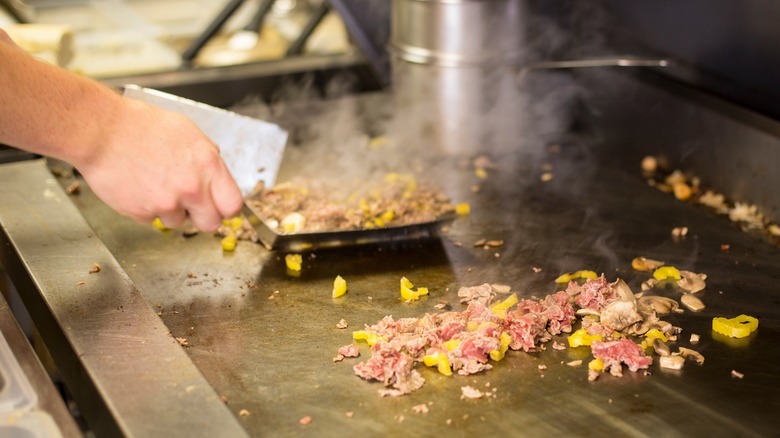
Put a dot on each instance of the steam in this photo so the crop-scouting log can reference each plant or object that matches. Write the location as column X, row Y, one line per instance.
column 437, row 119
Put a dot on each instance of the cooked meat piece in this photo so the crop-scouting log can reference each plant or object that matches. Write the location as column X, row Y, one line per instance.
column 483, row 294
column 616, row 353
column 594, row 294
column 350, row 350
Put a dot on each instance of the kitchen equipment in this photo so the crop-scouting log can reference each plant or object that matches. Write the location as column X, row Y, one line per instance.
column 251, row 148
column 297, row 242
column 622, row 61
column 448, row 60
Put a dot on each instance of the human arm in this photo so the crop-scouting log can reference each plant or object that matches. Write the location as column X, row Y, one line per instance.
column 142, row 161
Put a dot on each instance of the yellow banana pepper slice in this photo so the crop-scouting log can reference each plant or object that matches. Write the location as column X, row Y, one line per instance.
column 339, row 286
column 738, row 327
column 452, row 344
column 499, row 354
column 581, row 338
column 410, row 295
column 596, row 365
column 666, row 273
column 293, row 262
column 440, row 361
column 229, row 242
column 500, row 308
column 234, row 223
column 370, row 337
column 157, row 223
column 584, row 274
column 463, row 209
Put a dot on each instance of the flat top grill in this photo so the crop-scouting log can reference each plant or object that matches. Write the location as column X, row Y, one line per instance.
column 265, row 340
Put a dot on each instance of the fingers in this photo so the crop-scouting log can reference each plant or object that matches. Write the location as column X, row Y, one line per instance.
column 173, row 219
column 225, row 193
column 204, row 215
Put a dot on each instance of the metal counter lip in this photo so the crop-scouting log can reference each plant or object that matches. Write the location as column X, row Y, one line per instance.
column 127, row 373
column 49, row 399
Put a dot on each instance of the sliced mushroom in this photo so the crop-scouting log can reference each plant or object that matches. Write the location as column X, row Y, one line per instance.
column 661, row 348
column 623, row 291
column 692, row 303
column 623, row 312
column 692, row 282
column 620, row 314
column 586, row 311
column 672, row 362
column 649, row 284
column 645, row 265
column 661, row 305
column 692, row 354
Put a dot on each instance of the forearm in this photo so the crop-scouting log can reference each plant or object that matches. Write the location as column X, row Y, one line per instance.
column 51, row 111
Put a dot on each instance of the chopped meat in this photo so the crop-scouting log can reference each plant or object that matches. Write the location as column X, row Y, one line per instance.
column 350, row 350
column 616, row 353
column 472, row 337
column 342, row 324
column 594, row 294
column 483, row 294
column 324, row 206
column 391, row 366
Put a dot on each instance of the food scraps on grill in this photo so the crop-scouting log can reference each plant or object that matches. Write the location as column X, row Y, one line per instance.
column 688, row 188
column 469, row 392
column 342, row 324
column 679, row 232
column 95, row 268
column 420, row 409
column 305, row 421
column 318, row 206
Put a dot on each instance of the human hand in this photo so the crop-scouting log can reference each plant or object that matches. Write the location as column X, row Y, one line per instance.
column 148, row 162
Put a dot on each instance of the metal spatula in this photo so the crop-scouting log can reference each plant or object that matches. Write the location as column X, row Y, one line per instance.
column 251, row 148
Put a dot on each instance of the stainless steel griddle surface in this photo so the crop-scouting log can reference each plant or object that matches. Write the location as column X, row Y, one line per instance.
column 265, row 339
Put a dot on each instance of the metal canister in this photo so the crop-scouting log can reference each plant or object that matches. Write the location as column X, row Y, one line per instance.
column 452, row 67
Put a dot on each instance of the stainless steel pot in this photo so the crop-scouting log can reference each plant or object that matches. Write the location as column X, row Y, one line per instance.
column 457, row 32
column 451, row 69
